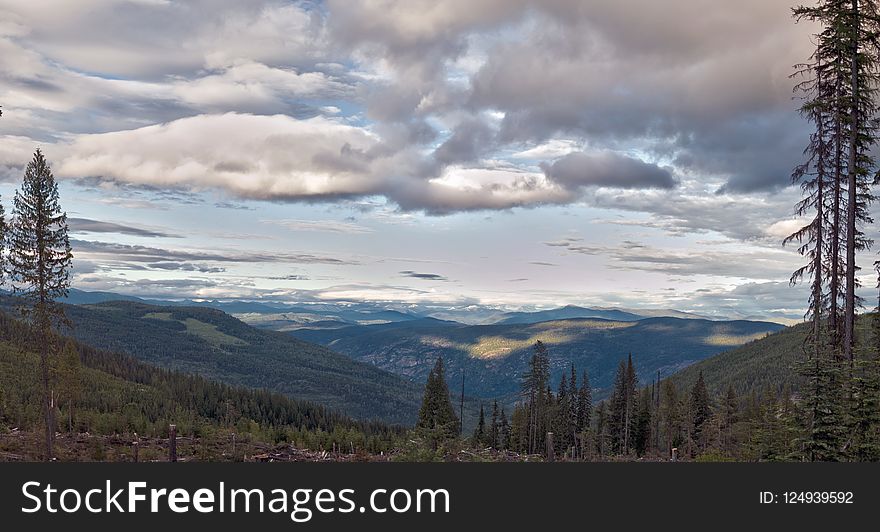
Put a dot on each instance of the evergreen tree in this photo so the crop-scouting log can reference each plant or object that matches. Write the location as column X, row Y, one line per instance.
column 572, row 408
column 813, row 176
column 729, row 415
column 841, row 84
column 622, row 415
column 494, row 428
column 825, row 419
column 519, row 429
column 39, row 263
column 671, row 417
column 585, row 404
column 701, row 410
column 69, row 380
column 436, row 414
column 642, row 429
column 860, row 36
column 504, row 432
column 535, row 393
column 602, row 432
column 562, row 429
column 480, row 432
column 866, row 411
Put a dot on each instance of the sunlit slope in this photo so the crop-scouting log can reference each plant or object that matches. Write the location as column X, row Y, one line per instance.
column 213, row 344
column 495, row 356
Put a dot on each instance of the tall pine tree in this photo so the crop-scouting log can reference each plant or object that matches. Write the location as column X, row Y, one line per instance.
column 436, row 415
column 701, row 411
column 39, row 263
column 584, row 404
column 534, row 392
column 622, row 414
column 479, row 437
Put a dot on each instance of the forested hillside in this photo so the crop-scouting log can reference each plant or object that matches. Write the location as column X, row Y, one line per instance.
column 215, row 345
column 495, row 356
column 767, row 363
column 103, row 393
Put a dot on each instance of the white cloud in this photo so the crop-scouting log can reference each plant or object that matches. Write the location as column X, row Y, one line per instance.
column 262, row 157
column 783, row 228
column 552, row 149
column 329, row 226
column 254, row 86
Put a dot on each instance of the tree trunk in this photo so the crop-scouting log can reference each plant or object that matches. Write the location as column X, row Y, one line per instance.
column 817, row 259
column 834, row 271
column 850, row 301
column 48, row 407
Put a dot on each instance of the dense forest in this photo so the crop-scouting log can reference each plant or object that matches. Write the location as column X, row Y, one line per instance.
column 213, row 344
column 494, row 356
column 112, row 394
column 750, row 417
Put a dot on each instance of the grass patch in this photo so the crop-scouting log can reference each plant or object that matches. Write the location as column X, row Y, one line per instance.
column 210, row 334
column 733, row 340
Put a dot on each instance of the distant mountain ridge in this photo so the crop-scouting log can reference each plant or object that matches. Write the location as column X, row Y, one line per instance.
column 568, row 312
column 285, row 316
column 494, row 357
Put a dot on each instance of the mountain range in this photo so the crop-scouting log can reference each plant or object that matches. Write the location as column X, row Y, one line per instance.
column 213, row 344
column 494, row 357
column 370, row 361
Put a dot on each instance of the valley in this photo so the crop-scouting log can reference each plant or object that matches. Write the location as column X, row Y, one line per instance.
column 494, row 357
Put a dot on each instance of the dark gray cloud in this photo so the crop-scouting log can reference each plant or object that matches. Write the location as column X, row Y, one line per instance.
column 607, row 169
column 424, row 276
column 232, row 205
column 148, row 254
column 291, row 277
column 86, row 225
column 470, row 140
column 185, row 267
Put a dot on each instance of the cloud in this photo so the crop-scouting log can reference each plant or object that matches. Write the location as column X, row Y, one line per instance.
column 126, row 39
column 291, row 277
column 607, row 169
column 255, row 157
column 764, row 264
column 184, row 267
column 777, row 301
column 688, row 209
column 638, row 120
column 424, row 276
column 148, row 254
column 280, row 158
column 330, row 226
column 552, row 149
column 85, row 225
column 469, row 141
column 147, row 81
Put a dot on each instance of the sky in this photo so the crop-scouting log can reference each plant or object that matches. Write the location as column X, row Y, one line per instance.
column 512, row 153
